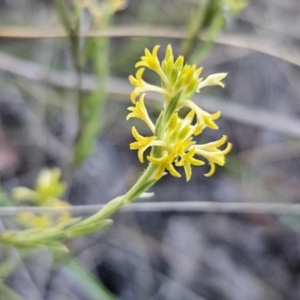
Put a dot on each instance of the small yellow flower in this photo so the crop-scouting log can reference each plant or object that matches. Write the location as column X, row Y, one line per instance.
column 139, row 111
column 179, row 129
column 142, row 143
column 168, row 63
column 186, row 160
column 25, row 218
column 164, row 163
column 142, row 86
column 214, row 79
column 188, row 80
column 41, row 222
column 48, row 185
column 47, row 191
column 204, row 118
column 118, row 4
column 31, row 220
column 180, row 147
column 150, row 60
column 175, row 77
column 23, row 193
column 214, row 155
column 48, row 188
column 99, row 11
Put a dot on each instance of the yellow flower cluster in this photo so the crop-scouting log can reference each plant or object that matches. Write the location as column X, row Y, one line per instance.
column 172, row 141
column 47, row 191
column 99, row 10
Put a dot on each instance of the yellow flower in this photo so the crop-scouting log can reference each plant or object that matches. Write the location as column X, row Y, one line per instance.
column 30, row 220
column 150, row 60
column 139, row 111
column 188, row 81
column 186, row 160
column 118, row 4
column 23, row 193
column 99, row 11
column 48, row 189
column 214, row 155
column 40, row 222
column 180, row 147
column 168, row 63
column 214, row 79
column 175, row 77
column 48, row 185
column 173, row 135
column 141, row 86
column 204, row 119
column 142, row 143
column 164, row 163
column 180, row 129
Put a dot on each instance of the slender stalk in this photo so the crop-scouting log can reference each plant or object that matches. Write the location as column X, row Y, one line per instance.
column 146, row 180
column 91, row 106
column 197, row 23
column 76, row 59
column 70, row 15
column 141, row 186
column 208, row 18
column 137, row 188
column 215, row 27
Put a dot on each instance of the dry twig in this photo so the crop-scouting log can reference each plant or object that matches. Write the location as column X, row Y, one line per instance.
column 120, row 89
column 254, row 43
column 189, row 206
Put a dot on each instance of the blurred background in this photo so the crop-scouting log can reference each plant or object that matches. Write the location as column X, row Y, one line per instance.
column 64, row 96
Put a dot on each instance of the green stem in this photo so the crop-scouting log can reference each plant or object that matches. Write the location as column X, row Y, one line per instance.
column 207, row 18
column 215, row 27
column 197, row 24
column 91, row 107
column 141, row 186
column 145, row 181
column 76, row 58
